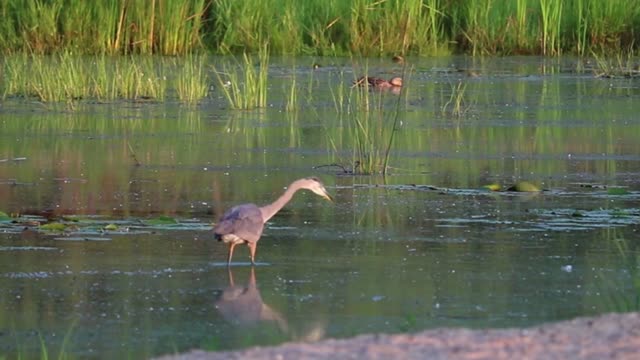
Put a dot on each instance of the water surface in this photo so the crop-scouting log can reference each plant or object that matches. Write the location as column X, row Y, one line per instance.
column 423, row 247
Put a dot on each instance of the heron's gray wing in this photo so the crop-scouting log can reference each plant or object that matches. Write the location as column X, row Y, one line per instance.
column 244, row 221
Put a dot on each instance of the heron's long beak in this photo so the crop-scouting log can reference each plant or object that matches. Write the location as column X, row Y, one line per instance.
column 326, row 195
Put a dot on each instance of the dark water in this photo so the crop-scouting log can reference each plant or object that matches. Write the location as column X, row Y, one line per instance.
column 390, row 255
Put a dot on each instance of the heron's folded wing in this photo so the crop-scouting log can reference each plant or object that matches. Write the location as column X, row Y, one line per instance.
column 244, row 221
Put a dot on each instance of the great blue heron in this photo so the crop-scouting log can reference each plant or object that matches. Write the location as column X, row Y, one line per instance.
column 243, row 224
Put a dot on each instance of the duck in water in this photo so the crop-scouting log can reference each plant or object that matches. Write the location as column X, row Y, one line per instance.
column 379, row 84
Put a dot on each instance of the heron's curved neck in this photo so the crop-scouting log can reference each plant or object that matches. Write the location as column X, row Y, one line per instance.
column 268, row 211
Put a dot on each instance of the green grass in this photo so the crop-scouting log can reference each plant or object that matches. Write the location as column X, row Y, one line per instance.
column 551, row 15
column 394, row 27
column 618, row 65
column 192, row 83
column 122, row 26
column 456, row 105
column 66, row 78
column 319, row 27
column 244, row 83
column 371, row 118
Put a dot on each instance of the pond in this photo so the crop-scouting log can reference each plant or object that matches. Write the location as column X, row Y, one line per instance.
column 133, row 269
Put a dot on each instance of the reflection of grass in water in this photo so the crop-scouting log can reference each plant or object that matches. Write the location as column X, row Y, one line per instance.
column 46, row 349
column 456, row 105
column 615, row 296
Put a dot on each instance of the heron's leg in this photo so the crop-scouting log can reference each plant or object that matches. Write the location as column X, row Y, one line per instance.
column 252, row 249
column 231, row 283
column 231, row 246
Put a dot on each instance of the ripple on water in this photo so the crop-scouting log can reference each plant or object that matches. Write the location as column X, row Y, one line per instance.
column 27, row 248
column 140, row 272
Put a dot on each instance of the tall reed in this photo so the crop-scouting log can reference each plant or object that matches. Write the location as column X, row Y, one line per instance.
column 192, row 82
column 551, row 11
column 373, row 132
column 386, row 27
column 140, row 78
column 65, row 77
column 319, row 27
column 456, row 104
column 120, row 26
column 371, row 118
column 244, row 84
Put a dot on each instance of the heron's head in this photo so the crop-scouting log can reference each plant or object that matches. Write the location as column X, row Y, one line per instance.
column 396, row 81
column 314, row 184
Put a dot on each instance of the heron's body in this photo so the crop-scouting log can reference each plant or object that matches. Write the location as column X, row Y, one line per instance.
column 243, row 224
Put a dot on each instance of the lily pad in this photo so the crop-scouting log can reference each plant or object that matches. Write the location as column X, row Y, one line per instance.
column 54, row 226
column 524, row 186
column 617, row 191
column 111, row 227
column 4, row 216
column 493, row 187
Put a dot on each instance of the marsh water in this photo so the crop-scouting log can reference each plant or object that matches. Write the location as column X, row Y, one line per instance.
column 135, row 271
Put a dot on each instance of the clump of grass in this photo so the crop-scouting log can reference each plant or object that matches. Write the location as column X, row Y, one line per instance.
column 609, row 24
column 319, row 27
column 291, row 94
column 192, row 82
column 244, row 26
column 371, row 125
column 122, row 26
column 386, row 27
column 618, row 65
column 480, row 27
column 68, row 78
column 140, row 78
column 244, row 84
column 456, row 104
column 339, row 95
column 373, row 134
column 551, row 15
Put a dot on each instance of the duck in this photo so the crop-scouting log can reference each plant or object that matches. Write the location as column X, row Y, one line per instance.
column 378, row 83
column 398, row 59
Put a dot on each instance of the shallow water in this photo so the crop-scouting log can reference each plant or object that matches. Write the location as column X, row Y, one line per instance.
column 423, row 247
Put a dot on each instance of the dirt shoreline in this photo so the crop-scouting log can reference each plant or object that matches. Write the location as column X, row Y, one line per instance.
column 611, row 336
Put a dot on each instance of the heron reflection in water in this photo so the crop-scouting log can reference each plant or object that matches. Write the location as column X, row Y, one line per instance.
column 243, row 224
column 243, row 305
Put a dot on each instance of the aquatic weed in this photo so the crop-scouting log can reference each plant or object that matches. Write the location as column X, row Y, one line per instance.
column 243, row 85
column 192, row 82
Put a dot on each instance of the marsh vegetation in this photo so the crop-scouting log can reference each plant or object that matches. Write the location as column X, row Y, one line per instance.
column 320, row 27
column 115, row 160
